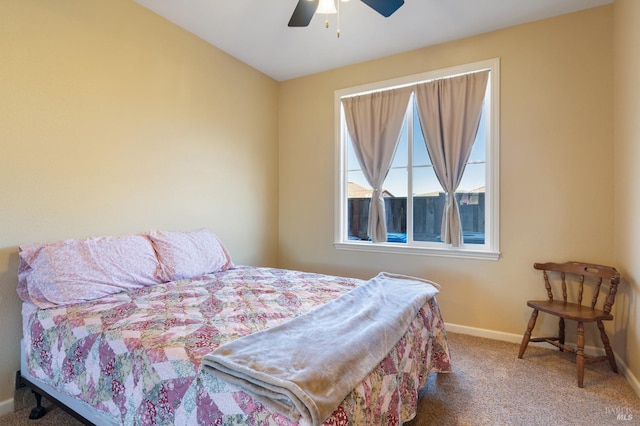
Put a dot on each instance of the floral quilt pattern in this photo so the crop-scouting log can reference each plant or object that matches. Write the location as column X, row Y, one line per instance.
column 136, row 355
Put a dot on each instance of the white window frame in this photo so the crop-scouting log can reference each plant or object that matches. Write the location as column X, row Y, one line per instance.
column 491, row 249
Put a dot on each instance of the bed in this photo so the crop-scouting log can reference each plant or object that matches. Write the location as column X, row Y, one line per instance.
column 134, row 355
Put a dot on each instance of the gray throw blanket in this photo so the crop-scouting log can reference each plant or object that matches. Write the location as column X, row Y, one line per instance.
column 304, row 367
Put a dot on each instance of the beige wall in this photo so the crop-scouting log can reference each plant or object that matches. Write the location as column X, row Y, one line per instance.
column 627, row 173
column 557, row 169
column 114, row 121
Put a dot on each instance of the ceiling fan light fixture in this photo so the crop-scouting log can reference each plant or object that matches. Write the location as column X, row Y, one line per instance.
column 326, row 7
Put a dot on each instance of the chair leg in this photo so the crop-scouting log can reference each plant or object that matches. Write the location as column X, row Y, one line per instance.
column 561, row 334
column 527, row 334
column 607, row 348
column 580, row 354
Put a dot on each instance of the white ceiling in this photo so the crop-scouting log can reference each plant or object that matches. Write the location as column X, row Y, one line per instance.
column 256, row 31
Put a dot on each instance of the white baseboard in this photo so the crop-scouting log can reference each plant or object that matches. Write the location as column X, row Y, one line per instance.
column 631, row 378
column 6, row 407
column 481, row 332
column 517, row 338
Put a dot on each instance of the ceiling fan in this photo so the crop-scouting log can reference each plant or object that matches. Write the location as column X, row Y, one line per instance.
column 305, row 9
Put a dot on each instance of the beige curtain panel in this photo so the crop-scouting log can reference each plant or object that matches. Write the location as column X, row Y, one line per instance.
column 449, row 110
column 374, row 122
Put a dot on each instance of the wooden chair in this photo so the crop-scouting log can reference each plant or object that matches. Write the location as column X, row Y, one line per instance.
column 574, row 278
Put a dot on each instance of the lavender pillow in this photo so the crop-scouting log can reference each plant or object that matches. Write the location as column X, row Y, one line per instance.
column 190, row 254
column 72, row 271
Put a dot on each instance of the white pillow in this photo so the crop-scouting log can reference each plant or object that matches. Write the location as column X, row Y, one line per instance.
column 72, row 271
column 190, row 254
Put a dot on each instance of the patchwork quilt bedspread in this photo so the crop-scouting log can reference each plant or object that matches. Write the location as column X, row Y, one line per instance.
column 137, row 355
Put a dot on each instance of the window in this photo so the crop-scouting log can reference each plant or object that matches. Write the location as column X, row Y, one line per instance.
column 413, row 197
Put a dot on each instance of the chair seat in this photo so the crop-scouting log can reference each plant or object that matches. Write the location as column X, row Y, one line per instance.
column 571, row 311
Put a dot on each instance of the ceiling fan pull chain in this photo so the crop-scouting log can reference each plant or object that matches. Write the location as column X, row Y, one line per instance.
column 338, row 20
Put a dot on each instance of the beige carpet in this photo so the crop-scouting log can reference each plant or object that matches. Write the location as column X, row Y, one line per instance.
column 489, row 385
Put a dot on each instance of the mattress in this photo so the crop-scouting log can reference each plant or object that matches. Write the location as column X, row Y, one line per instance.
column 134, row 357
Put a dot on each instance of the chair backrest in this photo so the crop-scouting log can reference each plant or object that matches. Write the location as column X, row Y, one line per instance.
column 578, row 274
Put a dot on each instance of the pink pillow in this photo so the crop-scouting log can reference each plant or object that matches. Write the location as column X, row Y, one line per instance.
column 72, row 271
column 190, row 254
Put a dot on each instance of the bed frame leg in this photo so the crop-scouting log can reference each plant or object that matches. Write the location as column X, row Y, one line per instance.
column 39, row 410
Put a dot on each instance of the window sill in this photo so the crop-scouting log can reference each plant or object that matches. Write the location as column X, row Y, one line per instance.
column 461, row 253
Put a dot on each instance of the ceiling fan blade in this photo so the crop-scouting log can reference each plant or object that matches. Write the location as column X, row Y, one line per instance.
column 303, row 13
column 384, row 7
